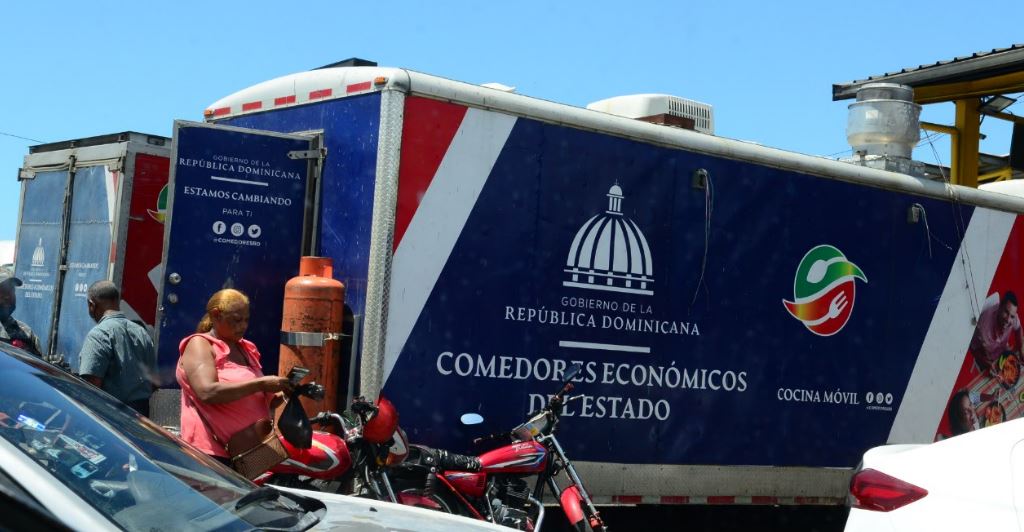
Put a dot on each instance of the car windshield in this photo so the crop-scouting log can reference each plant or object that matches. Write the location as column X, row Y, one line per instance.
column 124, row 465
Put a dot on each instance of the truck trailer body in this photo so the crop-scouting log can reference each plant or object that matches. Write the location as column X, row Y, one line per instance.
column 749, row 320
column 91, row 209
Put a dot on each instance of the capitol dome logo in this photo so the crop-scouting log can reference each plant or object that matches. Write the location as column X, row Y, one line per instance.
column 610, row 253
column 824, row 290
column 39, row 255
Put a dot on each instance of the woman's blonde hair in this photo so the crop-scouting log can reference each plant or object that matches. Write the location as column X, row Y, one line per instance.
column 221, row 300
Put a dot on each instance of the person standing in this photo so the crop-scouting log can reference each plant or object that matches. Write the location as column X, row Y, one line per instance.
column 118, row 355
column 12, row 331
column 223, row 387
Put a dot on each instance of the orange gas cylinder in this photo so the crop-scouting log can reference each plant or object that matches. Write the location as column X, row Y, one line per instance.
column 311, row 329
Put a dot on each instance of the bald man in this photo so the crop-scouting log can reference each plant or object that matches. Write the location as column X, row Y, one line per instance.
column 118, row 355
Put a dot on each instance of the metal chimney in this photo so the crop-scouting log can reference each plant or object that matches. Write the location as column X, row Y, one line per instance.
column 883, row 126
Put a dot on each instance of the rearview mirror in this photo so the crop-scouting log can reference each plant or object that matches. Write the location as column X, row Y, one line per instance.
column 571, row 372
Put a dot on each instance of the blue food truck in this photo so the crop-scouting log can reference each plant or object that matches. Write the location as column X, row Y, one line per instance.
column 748, row 320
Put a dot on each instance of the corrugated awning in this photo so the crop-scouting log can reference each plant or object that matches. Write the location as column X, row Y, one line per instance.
column 999, row 71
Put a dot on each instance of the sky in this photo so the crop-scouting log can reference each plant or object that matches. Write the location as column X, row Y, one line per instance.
column 78, row 69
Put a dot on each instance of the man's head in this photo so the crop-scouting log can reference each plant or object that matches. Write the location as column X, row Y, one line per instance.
column 1007, row 309
column 8, row 299
column 103, row 296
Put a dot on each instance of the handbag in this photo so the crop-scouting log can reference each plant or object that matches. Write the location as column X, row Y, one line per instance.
column 254, row 449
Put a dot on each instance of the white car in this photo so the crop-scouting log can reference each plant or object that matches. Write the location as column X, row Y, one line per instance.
column 974, row 481
column 73, row 457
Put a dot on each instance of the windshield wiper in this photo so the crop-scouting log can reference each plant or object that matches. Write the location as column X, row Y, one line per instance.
column 263, row 493
column 303, row 507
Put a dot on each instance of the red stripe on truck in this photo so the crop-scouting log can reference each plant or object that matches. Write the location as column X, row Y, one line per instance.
column 628, row 499
column 764, row 500
column 356, row 87
column 721, row 499
column 675, row 499
column 221, row 111
column 322, row 93
column 252, row 106
column 284, row 100
column 427, row 132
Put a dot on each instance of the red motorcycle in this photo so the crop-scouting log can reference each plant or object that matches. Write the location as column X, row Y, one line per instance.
column 352, row 459
column 494, row 487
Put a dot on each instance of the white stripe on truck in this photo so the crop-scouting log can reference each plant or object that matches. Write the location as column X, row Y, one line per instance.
column 438, row 222
column 945, row 345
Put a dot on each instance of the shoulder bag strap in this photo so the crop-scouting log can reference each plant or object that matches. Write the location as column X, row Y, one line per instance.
column 206, row 424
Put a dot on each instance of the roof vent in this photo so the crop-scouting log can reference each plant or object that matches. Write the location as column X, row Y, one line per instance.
column 498, row 87
column 883, row 127
column 884, row 120
column 660, row 109
column 350, row 62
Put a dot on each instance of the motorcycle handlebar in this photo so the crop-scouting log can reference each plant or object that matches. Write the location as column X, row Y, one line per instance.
column 489, row 437
column 555, row 405
column 310, row 389
column 320, row 419
column 565, row 389
column 362, row 408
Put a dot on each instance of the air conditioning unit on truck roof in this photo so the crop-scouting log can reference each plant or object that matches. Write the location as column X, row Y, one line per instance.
column 661, row 109
column 737, row 345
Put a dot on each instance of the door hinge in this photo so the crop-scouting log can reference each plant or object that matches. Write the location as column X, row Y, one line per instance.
column 308, row 154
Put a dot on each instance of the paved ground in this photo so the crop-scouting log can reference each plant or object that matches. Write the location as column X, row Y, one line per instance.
column 714, row 518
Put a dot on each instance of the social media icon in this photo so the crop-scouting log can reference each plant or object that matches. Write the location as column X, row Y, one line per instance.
column 237, row 229
column 219, row 227
column 255, row 231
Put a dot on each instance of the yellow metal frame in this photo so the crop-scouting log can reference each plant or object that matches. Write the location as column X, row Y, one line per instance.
column 965, row 134
column 1003, row 174
column 967, row 144
column 1006, row 83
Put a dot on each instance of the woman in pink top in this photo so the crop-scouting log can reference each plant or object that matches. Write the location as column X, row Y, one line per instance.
column 220, row 376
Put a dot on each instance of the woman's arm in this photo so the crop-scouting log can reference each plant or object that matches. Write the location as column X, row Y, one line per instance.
column 201, row 372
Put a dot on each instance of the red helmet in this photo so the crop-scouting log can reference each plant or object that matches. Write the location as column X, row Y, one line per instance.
column 382, row 425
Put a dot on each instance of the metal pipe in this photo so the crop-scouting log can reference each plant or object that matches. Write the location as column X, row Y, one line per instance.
column 387, row 485
column 62, row 257
column 540, row 514
column 1006, row 116
column 571, row 471
column 949, row 130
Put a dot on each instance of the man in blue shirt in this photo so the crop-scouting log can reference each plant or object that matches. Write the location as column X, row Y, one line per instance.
column 118, row 355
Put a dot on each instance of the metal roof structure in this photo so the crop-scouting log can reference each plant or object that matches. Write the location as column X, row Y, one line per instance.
column 970, row 82
column 979, row 66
